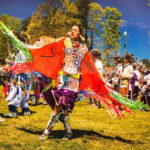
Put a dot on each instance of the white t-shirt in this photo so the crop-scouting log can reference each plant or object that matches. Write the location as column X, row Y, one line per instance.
column 119, row 69
column 99, row 65
column 147, row 79
column 138, row 74
column 128, row 72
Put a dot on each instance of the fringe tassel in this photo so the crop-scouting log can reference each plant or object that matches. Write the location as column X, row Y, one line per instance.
column 16, row 42
column 115, row 103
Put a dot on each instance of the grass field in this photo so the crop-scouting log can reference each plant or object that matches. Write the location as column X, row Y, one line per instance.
column 93, row 130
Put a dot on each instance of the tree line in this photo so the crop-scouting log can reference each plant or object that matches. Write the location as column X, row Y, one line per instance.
column 54, row 18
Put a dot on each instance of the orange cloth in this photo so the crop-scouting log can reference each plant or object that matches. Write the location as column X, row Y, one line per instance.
column 91, row 77
column 48, row 60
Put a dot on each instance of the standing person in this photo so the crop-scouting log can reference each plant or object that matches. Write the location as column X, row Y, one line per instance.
column 137, row 81
column 62, row 97
column 127, row 74
column 13, row 99
column 17, row 97
column 146, row 89
column 96, row 56
column 146, row 71
column 117, row 72
column 108, row 77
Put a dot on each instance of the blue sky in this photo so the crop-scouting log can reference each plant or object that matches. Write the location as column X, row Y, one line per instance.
column 136, row 14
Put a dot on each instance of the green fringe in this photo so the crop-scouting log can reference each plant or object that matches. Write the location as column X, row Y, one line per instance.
column 127, row 102
column 19, row 45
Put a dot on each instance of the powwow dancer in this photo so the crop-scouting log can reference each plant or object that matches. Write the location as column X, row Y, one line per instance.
column 74, row 72
column 62, row 97
column 17, row 98
column 19, row 94
column 14, row 97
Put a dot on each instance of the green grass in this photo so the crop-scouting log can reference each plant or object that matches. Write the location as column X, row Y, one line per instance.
column 93, row 130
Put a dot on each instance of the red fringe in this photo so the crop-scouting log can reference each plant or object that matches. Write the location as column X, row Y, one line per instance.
column 18, row 68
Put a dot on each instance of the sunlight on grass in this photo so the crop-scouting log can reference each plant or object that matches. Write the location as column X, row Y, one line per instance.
column 92, row 128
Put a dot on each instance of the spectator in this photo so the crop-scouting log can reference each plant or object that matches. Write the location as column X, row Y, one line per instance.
column 137, row 81
column 127, row 74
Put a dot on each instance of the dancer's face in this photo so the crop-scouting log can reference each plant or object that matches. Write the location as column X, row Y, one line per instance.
column 75, row 33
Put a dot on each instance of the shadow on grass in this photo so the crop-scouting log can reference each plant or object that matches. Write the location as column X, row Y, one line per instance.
column 21, row 114
column 40, row 103
column 80, row 133
column 1, row 114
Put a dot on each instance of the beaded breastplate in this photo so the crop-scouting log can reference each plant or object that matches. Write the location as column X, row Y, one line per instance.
column 73, row 56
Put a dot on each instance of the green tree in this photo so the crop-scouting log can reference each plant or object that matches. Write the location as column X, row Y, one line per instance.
column 53, row 19
column 95, row 15
column 15, row 25
column 111, row 34
column 146, row 62
column 72, row 13
column 64, row 18
column 3, row 46
column 12, row 22
column 25, row 23
column 84, row 8
column 50, row 7
column 35, row 26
